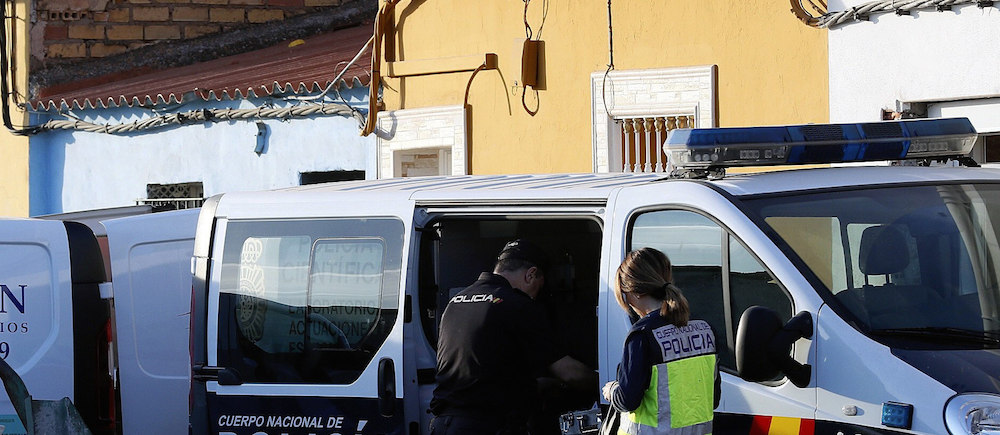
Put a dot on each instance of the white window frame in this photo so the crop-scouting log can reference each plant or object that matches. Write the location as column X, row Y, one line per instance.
column 430, row 128
column 648, row 93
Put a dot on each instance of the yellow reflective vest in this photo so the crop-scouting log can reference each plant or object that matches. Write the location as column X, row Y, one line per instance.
column 680, row 397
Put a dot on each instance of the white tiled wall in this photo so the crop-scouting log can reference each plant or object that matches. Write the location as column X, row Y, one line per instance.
column 430, row 129
column 648, row 93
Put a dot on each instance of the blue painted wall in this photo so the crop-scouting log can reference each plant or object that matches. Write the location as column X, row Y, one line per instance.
column 73, row 170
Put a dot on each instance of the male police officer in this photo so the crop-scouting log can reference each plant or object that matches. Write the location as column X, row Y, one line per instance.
column 494, row 342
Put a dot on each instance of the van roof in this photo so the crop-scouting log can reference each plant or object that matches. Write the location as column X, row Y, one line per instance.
column 472, row 187
column 490, row 182
column 825, row 178
column 598, row 187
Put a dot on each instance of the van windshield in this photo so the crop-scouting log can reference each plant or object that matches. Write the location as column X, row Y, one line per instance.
column 915, row 263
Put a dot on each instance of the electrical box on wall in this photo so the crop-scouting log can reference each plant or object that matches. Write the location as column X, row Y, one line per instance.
column 531, row 54
column 529, row 62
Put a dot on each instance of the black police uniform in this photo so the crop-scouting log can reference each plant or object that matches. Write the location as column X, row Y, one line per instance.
column 494, row 341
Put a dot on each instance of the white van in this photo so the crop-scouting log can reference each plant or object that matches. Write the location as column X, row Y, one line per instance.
column 120, row 352
column 316, row 307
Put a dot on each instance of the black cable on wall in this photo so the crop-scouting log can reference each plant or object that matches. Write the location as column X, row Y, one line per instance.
column 5, row 75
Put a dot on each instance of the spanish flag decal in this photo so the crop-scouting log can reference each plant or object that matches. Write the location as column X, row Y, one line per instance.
column 767, row 425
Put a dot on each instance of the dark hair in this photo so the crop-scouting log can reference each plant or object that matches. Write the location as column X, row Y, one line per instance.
column 515, row 264
column 647, row 271
column 519, row 254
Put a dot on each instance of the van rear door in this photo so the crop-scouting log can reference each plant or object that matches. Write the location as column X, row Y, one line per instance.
column 36, row 311
column 151, row 271
column 304, row 319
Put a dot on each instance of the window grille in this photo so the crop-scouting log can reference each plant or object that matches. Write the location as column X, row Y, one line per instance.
column 178, row 196
column 641, row 141
column 677, row 97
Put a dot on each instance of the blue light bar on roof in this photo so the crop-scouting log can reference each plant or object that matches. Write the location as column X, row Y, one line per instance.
column 819, row 143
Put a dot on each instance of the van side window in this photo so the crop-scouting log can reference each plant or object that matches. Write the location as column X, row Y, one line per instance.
column 709, row 264
column 307, row 301
column 751, row 284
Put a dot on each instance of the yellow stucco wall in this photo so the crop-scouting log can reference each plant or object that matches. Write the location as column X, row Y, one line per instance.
column 772, row 69
column 14, row 149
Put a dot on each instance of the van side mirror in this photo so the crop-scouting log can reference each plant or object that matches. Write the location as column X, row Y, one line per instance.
column 763, row 345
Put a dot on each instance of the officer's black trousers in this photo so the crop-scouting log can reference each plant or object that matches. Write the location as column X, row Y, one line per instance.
column 465, row 425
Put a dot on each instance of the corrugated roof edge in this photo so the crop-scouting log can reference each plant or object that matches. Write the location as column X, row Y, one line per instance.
column 203, row 94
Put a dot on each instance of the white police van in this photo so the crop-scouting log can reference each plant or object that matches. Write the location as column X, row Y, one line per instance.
column 118, row 353
column 847, row 300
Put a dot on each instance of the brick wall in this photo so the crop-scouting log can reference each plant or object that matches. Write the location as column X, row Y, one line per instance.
column 82, row 29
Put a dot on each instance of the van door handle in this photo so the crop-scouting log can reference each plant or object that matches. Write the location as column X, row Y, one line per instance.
column 386, row 387
column 222, row 375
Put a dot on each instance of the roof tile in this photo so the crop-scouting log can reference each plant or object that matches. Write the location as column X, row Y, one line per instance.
column 279, row 70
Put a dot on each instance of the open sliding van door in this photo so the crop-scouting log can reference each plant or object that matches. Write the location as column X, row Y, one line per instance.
column 304, row 315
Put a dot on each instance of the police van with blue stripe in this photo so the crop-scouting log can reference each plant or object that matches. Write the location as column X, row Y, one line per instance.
column 845, row 300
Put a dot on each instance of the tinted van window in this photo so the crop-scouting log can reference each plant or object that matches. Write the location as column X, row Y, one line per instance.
column 307, row 300
column 719, row 277
column 912, row 265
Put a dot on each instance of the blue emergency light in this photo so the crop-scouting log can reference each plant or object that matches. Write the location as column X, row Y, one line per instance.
column 703, row 148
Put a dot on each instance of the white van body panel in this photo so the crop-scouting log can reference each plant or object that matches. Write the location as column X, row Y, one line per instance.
column 152, row 291
column 36, row 315
column 854, row 370
column 310, row 204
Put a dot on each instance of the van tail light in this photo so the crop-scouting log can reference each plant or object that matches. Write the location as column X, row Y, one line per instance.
column 108, row 408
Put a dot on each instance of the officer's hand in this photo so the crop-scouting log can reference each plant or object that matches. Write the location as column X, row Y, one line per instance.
column 574, row 373
column 606, row 391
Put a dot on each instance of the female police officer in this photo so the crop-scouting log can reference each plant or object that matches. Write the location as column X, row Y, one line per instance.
column 668, row 381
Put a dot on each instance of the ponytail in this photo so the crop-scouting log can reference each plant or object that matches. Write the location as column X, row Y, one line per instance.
column 675, row 308
column 647, row 271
